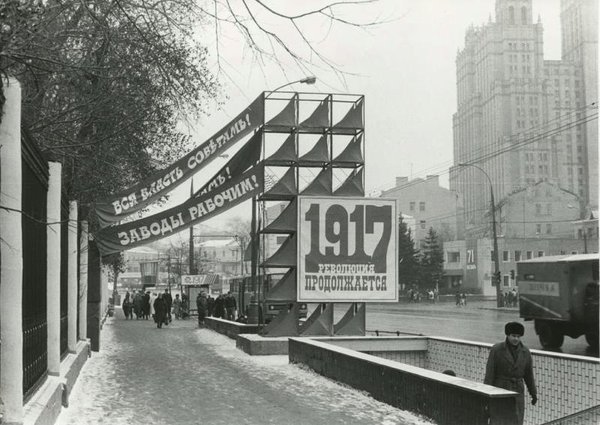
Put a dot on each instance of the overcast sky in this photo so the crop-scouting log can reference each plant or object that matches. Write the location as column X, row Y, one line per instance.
column 405, row 68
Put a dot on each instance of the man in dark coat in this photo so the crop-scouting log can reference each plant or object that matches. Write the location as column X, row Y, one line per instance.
column 509, row 364
column 160, row 311
column 201, row 305
column 169, row 302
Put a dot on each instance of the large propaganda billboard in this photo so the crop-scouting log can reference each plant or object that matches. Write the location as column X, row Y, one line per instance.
column 347, row 249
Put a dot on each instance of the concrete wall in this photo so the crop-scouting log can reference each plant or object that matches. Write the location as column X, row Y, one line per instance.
column 45, row 404
column 229, row 328
column 445, row 399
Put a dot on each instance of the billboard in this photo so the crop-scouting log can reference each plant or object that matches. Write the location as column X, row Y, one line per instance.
column 347, row 249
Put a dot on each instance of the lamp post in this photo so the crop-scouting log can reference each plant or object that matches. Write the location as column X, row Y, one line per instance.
column 308, row 80
column 496, row 276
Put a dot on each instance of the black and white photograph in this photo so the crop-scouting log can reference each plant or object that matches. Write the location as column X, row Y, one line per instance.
column 345, row 212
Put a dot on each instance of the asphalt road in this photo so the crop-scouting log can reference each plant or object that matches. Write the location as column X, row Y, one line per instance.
column 478, row 321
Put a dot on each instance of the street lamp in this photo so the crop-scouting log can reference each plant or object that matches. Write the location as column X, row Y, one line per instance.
column 308, row 80
column 496, row 260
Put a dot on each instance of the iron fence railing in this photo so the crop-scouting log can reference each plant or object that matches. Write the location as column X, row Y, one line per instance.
column 34, row 216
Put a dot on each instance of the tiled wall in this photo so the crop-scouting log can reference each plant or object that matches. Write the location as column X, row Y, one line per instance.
column 413, row 358
column 566, row 384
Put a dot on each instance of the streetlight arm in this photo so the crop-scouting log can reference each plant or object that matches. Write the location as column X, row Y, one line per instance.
column 308, row 80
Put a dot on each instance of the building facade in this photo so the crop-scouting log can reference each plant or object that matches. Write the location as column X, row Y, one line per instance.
column 430, row 206
column 523, row 119
column 469, row 264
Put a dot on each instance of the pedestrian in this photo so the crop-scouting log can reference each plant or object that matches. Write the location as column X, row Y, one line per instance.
column 146, row 305
column 169, row 302
column 457, row 297
column 152, row 298
column 230, row 306
column 159, row 308
column 127, row 307
column 211, row 306
column 219, row 311
column 138, row 305
column 177, row 307
column 509, row 364
column 185, row 306
column 201, row 305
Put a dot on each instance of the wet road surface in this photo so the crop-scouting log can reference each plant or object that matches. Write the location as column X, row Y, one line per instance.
column 479, row 321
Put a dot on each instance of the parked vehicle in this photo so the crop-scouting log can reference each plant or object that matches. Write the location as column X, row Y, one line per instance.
column 246, row 296
column 560, row 294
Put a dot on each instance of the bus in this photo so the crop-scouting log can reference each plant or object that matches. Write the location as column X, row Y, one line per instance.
column 246, row 295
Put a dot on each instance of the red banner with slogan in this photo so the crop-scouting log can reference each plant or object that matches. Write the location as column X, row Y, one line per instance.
column 120, row 205
column 195, row 210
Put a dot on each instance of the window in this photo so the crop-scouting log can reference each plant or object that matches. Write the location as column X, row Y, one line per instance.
column 529, row 255
column 505, row 280
column 421, row 206
column 538, row 208
column 538, row 229
column 549, row 209
column 505, row 256
column 549, row 228
column 517, row 255
column 423, row 223
column 412, row 206
column 453, row 257
column 511, row 15
column 540, row 253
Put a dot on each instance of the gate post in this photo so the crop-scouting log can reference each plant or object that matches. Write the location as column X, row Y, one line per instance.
column 83, row 280
column 53, row 231
column 11, row 256
column 72, row 278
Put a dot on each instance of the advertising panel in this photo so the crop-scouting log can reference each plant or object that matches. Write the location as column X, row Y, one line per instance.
column 347, row 249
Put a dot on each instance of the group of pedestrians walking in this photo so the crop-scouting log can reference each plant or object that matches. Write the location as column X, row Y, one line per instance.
column 223, row 307
column 146, row 305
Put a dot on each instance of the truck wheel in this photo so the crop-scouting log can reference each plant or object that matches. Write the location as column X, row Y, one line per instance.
column 550, row 337
column 592, row 340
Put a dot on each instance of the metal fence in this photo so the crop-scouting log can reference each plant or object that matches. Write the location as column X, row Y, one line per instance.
column 35, row 188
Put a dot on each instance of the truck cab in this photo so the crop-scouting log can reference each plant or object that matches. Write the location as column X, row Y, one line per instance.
column 560, row 294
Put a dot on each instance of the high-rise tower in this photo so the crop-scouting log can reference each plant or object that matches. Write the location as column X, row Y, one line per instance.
column 516, row 114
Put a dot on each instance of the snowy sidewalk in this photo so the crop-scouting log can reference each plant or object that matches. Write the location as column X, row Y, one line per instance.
column 183, row 375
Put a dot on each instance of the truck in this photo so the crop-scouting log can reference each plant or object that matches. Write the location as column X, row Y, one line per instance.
column 246, row 296
column 560, row 294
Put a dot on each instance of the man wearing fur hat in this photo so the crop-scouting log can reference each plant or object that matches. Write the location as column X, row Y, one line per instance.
column 509, row 364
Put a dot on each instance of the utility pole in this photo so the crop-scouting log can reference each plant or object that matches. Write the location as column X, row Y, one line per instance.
column 496, row 277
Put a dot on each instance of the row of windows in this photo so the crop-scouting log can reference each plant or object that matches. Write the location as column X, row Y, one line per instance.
column 530, row 156
column 413, row 205
column 514, row 46
column 517, row 255
column 556, row 71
